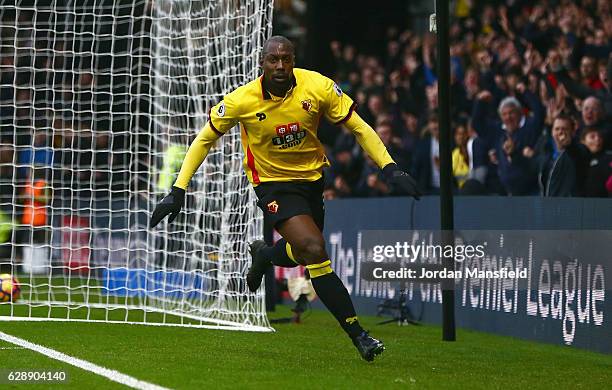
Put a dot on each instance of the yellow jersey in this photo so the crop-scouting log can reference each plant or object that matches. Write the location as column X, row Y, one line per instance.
column 279, row 134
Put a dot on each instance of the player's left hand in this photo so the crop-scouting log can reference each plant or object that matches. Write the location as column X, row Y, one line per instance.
column 401, row 182
column 170, row 205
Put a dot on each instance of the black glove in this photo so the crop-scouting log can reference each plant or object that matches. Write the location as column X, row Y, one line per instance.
column 401, row 182
column 171, row 204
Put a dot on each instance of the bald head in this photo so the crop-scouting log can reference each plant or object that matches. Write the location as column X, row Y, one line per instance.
column 592, row 111
column 273, row 43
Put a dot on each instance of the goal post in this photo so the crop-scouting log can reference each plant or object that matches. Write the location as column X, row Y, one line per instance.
column 100, row 101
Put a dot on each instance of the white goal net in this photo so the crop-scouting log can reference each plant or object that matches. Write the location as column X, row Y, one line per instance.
column 99, row 102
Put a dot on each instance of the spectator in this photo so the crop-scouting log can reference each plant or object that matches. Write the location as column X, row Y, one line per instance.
column 371, row 183
column 508, row 138
column 36, row 197
column 593, row 115
column 560, row 160
column 39, row 153
column 461, row 158
column 426, row 161
column 598, row 169
column 393, row 145
column 589, row 74
column 579, row 90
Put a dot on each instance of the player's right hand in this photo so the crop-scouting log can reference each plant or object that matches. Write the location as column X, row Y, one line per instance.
column 171, row 204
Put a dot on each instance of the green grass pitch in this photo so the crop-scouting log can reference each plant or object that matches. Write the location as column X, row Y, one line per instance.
column 314, row 354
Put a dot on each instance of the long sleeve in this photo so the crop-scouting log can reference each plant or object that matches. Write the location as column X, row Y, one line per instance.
column 538, row 110
column 222, row 117
column 481, row 123
column 196, row 154
column 573, row 87
column 369, row 140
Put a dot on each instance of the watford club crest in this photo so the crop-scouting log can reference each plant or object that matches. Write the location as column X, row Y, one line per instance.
column 306, row 105
column 273, row 207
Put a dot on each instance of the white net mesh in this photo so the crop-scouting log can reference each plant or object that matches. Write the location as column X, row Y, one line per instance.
column 99, row 101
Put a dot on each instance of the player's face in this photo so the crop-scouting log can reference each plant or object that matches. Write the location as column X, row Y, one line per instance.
column 277, row 64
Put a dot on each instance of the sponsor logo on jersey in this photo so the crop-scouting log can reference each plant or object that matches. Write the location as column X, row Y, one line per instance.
column 306, row 105
column 288, row 135
column 273, row 207
column 261, row 116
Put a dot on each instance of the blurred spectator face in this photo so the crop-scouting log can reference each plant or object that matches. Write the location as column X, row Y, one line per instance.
column 8, row 61
column 461, row 136
column 511, row 81
column 367, row 77
column 457, row 49
column 379, row 79
column 593, row 141
column 340, row 185
column 562, row 132
column 411, row 122
column 410, row 63
column 334, row 46
column 592, row 112
column 372, row 62
column 511, row 117
column 393, row 48
column 40, row 139
column 587, row 68
column 86, row 79
column 348, row 54
column 484, row 59
column 102, row 141
column 23, row 96
column 343, row 157
column 375, row 104
column 434, row 128
column 600, row 38
column 329, row 194
column 6, row 154
column 542, row 24
column 603, row 73
column 488, row 15
column 385, row 133
column 361, row 97
column 471, row 77
column 533, row 82
column 431, row 92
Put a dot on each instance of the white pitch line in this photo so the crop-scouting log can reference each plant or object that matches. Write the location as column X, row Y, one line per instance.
column 113, row 375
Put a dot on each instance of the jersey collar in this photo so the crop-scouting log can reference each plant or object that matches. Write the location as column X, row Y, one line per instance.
column 267, row 95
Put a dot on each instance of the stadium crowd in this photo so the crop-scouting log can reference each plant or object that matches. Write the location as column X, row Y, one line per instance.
column 517, row 72
column 531, row 103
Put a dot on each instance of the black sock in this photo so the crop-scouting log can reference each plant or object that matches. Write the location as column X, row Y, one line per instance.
column 336, row 298
column 278, row 254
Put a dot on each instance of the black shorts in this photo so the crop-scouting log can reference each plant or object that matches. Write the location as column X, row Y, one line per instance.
column 283, row 200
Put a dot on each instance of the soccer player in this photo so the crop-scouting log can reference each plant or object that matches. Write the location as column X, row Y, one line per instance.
column 279, row 114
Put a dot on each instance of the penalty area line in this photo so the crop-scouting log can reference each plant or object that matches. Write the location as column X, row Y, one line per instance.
column 112, row 375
